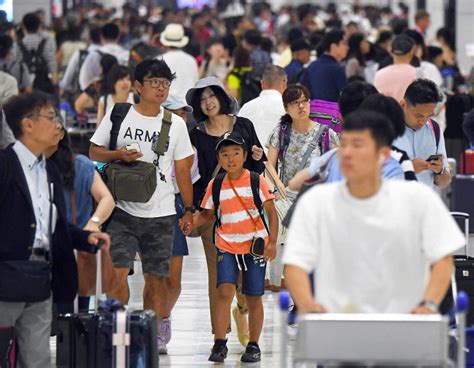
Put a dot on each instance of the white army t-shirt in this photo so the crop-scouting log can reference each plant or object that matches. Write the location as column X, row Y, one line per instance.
column 371, row 255
column 142, row 129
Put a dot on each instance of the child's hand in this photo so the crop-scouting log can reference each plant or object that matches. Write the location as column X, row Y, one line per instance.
column 270, row 251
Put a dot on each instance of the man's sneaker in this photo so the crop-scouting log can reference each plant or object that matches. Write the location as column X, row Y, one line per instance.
column 252, row 354
column 165, row 329
column 219, row 351
column 242, row 323
column 162, row 349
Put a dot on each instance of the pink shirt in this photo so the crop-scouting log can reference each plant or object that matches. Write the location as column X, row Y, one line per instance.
column 393, row 80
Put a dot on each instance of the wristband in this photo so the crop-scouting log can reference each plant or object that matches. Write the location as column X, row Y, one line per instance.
column 443, row 170
column 430, row 304
column 191, row 209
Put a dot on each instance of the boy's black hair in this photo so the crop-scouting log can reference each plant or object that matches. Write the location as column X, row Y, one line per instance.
column 110, row 31
column 422, row 91
column 153, row 68
column 389, row 107
column 352, row 96
column 20, row 106
column 384, row 36
column 228, row 144
column 31, row 22
column 379, row 126
column 225, row 107
column 334, row 36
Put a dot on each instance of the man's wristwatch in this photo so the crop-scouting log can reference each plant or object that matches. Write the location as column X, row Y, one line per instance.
column 95, row 220
column 443, row 170
column 430, row 304
column 191, row 209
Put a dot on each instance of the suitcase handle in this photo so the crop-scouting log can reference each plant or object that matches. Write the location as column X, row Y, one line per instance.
column 462, row 215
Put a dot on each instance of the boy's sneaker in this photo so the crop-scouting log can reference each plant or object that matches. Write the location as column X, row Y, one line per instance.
column 162, row 349
column 165, row 329
column 219, row 351
column 252, row 354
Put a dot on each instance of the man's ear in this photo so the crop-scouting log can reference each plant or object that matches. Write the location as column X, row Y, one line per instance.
column 403, row 103
column 245, row 155
column 138, row 86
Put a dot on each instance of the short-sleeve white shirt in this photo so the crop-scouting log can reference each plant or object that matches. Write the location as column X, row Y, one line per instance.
column 142, row 129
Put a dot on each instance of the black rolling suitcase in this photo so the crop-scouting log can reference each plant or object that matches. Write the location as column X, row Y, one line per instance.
column 464, row 272
column 462, row 196
column 107, row 338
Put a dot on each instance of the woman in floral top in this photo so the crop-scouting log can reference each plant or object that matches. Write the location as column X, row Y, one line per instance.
column 301, row 131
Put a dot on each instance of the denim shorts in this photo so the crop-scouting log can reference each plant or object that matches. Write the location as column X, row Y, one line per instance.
column 253, row 272
column 180, row 245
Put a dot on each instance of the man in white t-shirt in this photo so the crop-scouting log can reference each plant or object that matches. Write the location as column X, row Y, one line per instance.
column 375, row 246
column 266, row 110
column 91, row 70
column 148, row 228
column 181, row 63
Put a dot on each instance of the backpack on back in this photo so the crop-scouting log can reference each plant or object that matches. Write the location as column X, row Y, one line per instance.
column 249, row 85
column 254, row 184
column 37, row 65
column 326, row 113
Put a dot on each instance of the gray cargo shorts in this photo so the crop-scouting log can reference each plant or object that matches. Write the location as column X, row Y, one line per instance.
column 152, row 238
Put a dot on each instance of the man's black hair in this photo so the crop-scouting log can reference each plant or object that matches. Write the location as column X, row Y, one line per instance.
column 6, row 44
column 153, row 68
column 352, row 96
column 389, row 107
column 294, row 33
column 110, row 31
column 253, row 37
column 379, row 126
column 225, row 107
column 20, row 106
column 31, row 22
column 422, row 91
column 329, row 38
column 94, row 35
column 384, row 36
column 415, row 36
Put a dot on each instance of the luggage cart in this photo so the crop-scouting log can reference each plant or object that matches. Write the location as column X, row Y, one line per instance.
column 374, row 339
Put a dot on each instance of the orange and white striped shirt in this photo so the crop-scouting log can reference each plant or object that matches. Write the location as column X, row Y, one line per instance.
column 237, row 228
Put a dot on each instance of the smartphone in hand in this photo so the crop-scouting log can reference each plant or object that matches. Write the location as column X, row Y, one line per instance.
column 133, row 146
column 434, row 157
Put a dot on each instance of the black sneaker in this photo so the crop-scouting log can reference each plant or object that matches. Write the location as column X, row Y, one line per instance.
column 252, row 354
column 219, row 352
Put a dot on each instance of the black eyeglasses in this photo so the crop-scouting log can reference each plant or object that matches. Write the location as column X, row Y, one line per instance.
column 155, row 83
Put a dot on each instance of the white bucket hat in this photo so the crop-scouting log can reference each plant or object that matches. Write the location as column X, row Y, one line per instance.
column 173, row 36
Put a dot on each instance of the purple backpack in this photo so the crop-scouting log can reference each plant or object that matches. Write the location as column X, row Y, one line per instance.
column 326, row 113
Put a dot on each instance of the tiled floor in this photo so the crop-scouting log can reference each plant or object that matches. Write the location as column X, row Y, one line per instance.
column 192, row 340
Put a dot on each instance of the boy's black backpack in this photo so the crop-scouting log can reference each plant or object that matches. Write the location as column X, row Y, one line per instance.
column 254, row 184
column 37, row 65
column 250, row 86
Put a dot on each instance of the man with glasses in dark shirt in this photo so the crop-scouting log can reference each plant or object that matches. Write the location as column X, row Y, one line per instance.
column 36, row 250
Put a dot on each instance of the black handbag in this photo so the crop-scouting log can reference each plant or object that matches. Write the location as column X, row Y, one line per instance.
column 28, row 281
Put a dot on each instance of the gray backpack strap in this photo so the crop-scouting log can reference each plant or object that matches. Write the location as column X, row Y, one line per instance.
column 164, row 133
column 311, row 147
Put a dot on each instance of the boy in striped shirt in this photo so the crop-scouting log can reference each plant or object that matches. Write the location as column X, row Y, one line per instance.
column 239, row 223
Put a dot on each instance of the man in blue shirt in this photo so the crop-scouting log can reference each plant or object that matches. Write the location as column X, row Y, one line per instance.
column 300, row 53
column 423, row 140
column 325, row 77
